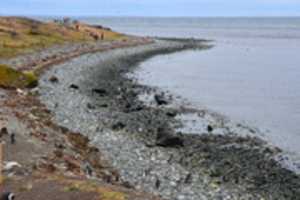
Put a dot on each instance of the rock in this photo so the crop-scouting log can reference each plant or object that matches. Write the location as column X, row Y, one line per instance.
column 188, row 179
column 34, row 91
column 165, row 139
column 46, row 166
column 127, row 185
column 11, row 165
column 157, row 184
column 21, row 92
column 133, row 108
column 59, row 145
column 58, row 153
column 171, row 113
column 73, row 86
column 99, row 91
column 3, row 131
column 90, row 106
column 181, row 197
column 118, row 126
column 104, row 105
column 53, row 79
column 72, row 164
column 210, row 128
column 160, row 100
column 170, row 142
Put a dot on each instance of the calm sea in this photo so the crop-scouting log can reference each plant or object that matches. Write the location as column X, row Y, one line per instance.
column 252, row 74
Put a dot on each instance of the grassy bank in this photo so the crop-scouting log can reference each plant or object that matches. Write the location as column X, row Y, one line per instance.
column 23, row 35
column 19, row 36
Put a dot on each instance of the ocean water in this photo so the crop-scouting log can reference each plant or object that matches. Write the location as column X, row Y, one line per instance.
column 252, row 74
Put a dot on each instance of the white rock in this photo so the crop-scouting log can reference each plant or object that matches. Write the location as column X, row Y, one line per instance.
column 19, row 91
column 10, row 165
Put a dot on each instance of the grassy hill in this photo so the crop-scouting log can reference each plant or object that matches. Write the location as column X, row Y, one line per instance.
column 19, row 35
column 23, row 35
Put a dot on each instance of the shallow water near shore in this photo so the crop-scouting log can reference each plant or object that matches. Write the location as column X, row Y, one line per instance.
column 251, row 75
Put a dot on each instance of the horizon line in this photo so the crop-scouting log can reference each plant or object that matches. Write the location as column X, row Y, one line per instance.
column 150, row 16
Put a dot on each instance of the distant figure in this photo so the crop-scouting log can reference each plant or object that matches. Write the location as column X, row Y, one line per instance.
column 102, row 36
column 95, row 36
column 12, row 138
column 66, row 21
column 88, row 169
column 7, row 196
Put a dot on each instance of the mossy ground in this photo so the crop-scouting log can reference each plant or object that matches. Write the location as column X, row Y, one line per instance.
column 10, row 78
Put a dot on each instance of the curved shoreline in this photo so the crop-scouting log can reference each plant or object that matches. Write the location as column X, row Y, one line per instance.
column 127, row 132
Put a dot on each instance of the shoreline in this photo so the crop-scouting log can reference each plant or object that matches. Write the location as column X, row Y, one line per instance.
column 45, row 154
column 105, row 107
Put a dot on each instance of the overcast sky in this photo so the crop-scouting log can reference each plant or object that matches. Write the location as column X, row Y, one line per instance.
column 151, row 7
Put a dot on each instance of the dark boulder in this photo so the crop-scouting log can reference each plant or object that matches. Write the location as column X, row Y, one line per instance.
column 90, row 106
column 167, row 139
column 133, row 108
column 188, row 179
column 53, row 79
column 3, row 131
column 118, row 126
column 210, row 128
column 157, row 184
column 73, row 86
column 171, row 113
column 160, row 100
column 103, row 105
column 99, row 91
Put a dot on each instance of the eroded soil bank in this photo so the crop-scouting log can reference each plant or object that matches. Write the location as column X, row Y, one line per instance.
column 93, row 95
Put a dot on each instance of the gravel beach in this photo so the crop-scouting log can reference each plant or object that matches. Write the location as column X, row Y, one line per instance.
column 139, row 130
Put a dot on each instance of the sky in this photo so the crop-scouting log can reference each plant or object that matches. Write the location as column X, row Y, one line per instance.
column 151, row 7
